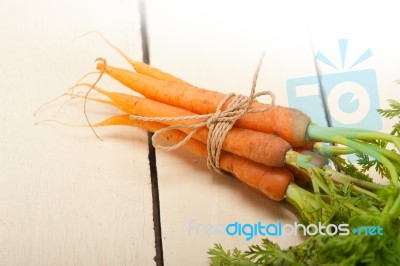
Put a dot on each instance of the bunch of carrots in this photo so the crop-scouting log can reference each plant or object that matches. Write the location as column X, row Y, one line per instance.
column 278, row 152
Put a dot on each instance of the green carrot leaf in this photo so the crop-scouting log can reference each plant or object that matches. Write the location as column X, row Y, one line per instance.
column 393, row 111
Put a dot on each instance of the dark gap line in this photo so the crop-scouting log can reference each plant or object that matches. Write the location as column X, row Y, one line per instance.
column 321, row 88
column 159, row 258
column 323, row 94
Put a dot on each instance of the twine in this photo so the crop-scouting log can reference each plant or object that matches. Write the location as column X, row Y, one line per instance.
column 218, row 123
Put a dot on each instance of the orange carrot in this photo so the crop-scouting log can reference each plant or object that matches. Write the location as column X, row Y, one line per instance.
column 143, row 68
column 271, row 181
column 260, row 147
column 146, row 70
column 289, row 124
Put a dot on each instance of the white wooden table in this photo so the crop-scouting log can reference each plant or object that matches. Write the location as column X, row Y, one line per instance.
column 67, row 198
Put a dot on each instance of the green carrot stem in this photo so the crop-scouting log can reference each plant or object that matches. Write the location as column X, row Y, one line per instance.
column 336, row 176
column 372, row 152
column 361, row 134
column 329, row 151
column 307, row 204
column 354, row 208
column 389, row 205
column 366, row 192
column 395, row 208
column 319, row 180
column 388, row 154
column 325, row 134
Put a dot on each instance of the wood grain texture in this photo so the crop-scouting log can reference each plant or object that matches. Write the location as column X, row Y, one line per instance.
column 218, row 48
column 67, row 198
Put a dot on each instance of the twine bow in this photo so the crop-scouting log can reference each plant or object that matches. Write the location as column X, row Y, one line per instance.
column 218, row 123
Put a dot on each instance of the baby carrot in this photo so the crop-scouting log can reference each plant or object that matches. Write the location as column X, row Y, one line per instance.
column 292, row 125
column 143, row 68
column 289, row 124
column 271, row 181
column 260, row 147
column 156, row 73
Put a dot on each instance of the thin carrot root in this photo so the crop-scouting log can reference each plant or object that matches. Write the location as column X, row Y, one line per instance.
column 46, row 104
column 271, row 181
column 54, row 121
column 73, row 96
column 83, row 77
column 89, row 98
column 70, row 92
column 139, row 66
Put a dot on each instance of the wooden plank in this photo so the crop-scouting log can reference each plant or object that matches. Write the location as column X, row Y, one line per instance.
column 67, row 198
column 218, row 50
column 216, row 45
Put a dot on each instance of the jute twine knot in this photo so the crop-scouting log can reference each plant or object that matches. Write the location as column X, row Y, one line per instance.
column 218, row 123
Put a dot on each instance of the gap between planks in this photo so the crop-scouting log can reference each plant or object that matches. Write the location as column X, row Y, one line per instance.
column 159, row 258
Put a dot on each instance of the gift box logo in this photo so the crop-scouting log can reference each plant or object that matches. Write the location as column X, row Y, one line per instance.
column 351, row 97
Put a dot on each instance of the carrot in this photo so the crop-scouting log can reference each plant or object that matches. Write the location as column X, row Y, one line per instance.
column 271, row 181
column 260, row 147
column 146, row 70
column 289, row 124
column 140, row 67
column 301, row 177
column 292, row 125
